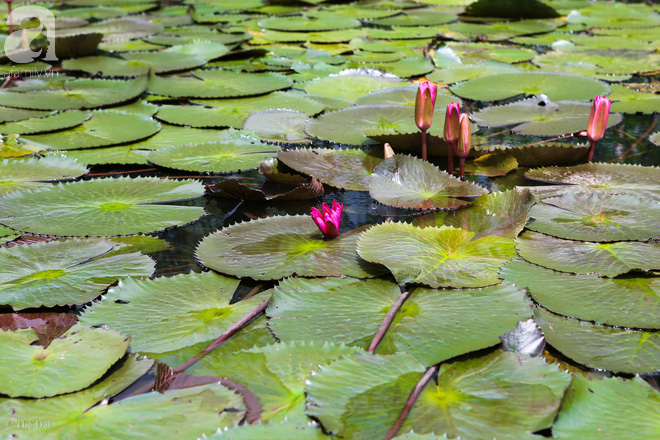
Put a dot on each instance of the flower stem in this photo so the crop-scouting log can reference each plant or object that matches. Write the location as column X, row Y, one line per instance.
column 423, row 144
column 450, row 158
column 592, row 148
column 462, row 172
column 388, row 319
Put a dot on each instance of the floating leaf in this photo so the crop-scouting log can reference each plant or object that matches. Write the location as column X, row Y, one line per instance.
column 630, row 101
column 403, row 95
column 276, row 247
column 323, row 163
column 106, row 66
column 436, row 256
column 277, row 374
column 127, row 28
column 459, row 73
column 409, row 182
column 416, row 17
column 47, row 326
column 183, row 57
column 498, row 213
column 610, row 259
column 55, row 122
column 99, row 131
column 539, row 117
column 31, row 370
column 597, row 346
column 233, row 154
column 275, row 125
column 606, row 61
column 7, row 234
column 498, row 31
column 604, row 408
column 63, row 273
column 76, row 94
column 469, row 53
column 511, row 9
column 217, row 84
column 494, row 164
column 506, row 85
column 166, row 314
column 350, row 311
column 102, row 207
column 625, row 302
column 309, row 24
column 584, row 216
column 351, row 84
column 32, row 172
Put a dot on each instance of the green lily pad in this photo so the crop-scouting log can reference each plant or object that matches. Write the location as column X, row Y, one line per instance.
column 402, row 33
column 436, row 256
column 110, row 155
column 321, row 37
column 622, row 16
column 309, row 24
column 102, row 207
column 537, row 116
column 627, row 100
column 31, row 370
column 607, row 61
column 404, row 95
column 506, row 85
column 275, row 247
column 31, row 172
column 232, row 154
column 499, row 31
column 106, row 66
column 355, row 375
column 8, row 234
column 275, row 125
column 501, row 213
column 604, row 408
column 499, row 163
column 470, row 53
column 125, row 28
column 8, row 114
column 76, row 94
column 417, row 17
column 625, row 302
column 276, row 374
column 321, row 163
column 350, row 311
column 63, row 273
column 594, row 217
column 183, row 57
column 99, row 131
column 119, row 46
column 217, row 84
column 511, row 9
column 454, row 74
column 273, row 431
column 165, row 314
column 409, row 182
column 351, row 84
column 184, row 413
column 609, row 259
column 59, row 121
column 546, row 153
column 602, row 347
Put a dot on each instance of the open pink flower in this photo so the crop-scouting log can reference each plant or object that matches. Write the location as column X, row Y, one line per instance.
column 328, row 221
column 600, row 111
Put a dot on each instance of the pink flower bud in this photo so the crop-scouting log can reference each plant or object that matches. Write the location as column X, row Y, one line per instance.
column 451, row 122
column 424, row 104
column 464, row 136
column 600, row 111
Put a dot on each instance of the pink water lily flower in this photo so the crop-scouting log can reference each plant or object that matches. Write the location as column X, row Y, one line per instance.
column 424, row 103
column 597, row 124
column 328, row 221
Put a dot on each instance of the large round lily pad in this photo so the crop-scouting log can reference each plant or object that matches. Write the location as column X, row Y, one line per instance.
column 594, row 217
column 70, row 363
column 625, row 302
column 102, row 207
column 436, row 256
column 279, row 125
column 610, row 259
column 166, row 314
column 59, row 121
column 276, row 247
column 506, row 85
column 322, row 164
column 31, row 172
column 180, row 57
column 350, row 85
column 409, row 182
column 63, row 273
column 350, row 311
column 100, row 131
column 309, row 24
column 603, row 347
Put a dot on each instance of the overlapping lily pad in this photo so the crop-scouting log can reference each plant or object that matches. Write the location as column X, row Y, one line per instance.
column 100, row 131
column 70, row 363
column 63, row 273
column 309, row 24
column 175, row 58
column 537, row 116
column 594, row 217
column 462, row 72
column 275, row 125
column 76, row 94
column 107, row 66
column 436, row 256
column 556, row 86
column 626, row 302
column 351, row 84
column 602, row 347
column 102, row 207
column 470, row 53
column 409, row 182
column 166, row 314
column 59, row 121
column 322, row 163
column 31, row 172
column 627, row 100
column 350, row 311
column 610, row 259
column 232, row 154
column 217, row 84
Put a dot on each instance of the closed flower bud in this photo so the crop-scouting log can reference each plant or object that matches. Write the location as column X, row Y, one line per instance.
column 451, row 122
column 464, row 137
column 424, row 104
column 600, row 111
